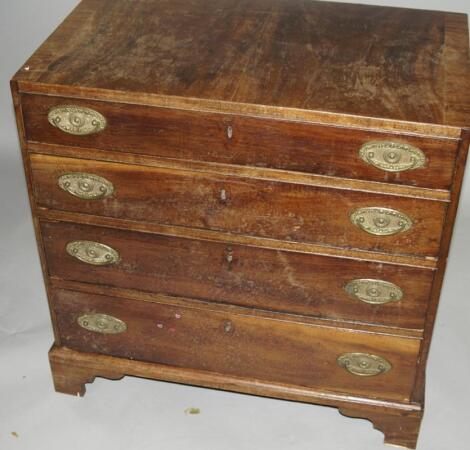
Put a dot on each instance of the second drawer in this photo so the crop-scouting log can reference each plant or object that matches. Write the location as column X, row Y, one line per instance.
column 306, row 284
column 279, row 210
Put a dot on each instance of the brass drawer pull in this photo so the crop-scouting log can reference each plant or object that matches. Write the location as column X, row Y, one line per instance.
column 93, row 253
column 86, row 185
column 381, row 221
column 77, row 120
column 375, row 292
column 392, row 156
column 102, row 323
column 363, row 364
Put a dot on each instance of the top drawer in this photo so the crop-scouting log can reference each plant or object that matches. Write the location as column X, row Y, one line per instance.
column 232, row 139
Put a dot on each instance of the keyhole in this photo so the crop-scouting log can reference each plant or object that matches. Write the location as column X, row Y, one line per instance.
column 228, row 326
column 229, row 132
column 223, row 195
column 229, row 257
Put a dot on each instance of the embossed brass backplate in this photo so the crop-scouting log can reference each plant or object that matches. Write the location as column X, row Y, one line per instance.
column 77, row 120
column 375, row 292
column 392, row 156
column 381, row 221
column 93, row 253
column 363, row 364
column 86, row 185
column 102, row 323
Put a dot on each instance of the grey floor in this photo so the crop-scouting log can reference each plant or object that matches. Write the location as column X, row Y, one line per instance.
column 138, row 414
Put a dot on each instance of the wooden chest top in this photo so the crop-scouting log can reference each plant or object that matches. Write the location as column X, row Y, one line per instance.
column 296, row 59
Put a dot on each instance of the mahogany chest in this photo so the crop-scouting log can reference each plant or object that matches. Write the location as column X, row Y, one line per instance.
column 255, row 196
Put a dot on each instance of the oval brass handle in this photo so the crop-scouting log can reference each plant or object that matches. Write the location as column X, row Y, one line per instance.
column 86, row 186
column 392, row 156
column 375, row 292
column 77, row 120
column 102, row 323
column 381, row 221
column 93, row 253
column 363, row 364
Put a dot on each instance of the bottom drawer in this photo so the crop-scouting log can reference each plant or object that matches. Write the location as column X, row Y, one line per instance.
column 235, row 343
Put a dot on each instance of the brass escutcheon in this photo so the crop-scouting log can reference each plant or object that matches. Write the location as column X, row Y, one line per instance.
column 93, row 253
column 102, row 323
column 77, row 120
column 86, row 186
column 380, row 221
column 375, row 292
column 363, row 364
column 392, row 156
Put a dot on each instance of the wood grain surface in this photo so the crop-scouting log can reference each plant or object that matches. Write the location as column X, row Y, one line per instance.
column 269, row 350
column 285, row 211
column 241, row 140
column 235, row 274
column 348, row 59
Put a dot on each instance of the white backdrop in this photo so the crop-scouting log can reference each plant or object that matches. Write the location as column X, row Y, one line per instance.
column 136, row 414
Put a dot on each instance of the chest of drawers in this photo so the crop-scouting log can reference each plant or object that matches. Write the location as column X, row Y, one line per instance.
column 251, row 196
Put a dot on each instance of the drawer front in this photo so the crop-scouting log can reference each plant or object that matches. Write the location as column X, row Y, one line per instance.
column 241, row 345
column 274, row 280
column 246, row 206
column 231, row 139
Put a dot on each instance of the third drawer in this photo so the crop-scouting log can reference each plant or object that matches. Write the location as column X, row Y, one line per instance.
column 277, row 280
